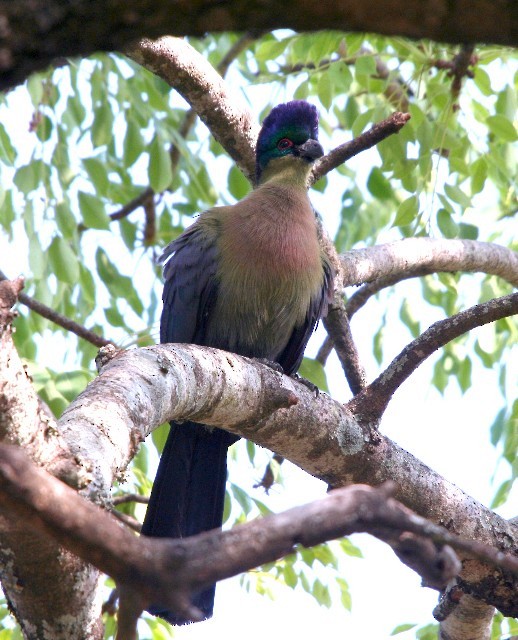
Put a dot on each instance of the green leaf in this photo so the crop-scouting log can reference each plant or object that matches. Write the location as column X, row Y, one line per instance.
column 75, row 109
column 350, row 549
column 160, row 173
column 428, row 632
column 238, row 185
column 313, row 371
column 464, row 374
column 63, row 261
column 92, row 211
column 340, row 76
column 31, row 176
column 7, row 151
column 361, row 122
column 270, row 49
column 407, row 212
column 457, row 195
column 446, row 224
column 44, row 128
column 478, row 171
column 37, row 259
column 468, row 231
column 497, row 428
column 407, row 317
column 502, row 127
column 325, row 90
column 71, row 383
column 98, row 174
column 102, row 126
column 365, row 65
column 483, row 81
column 35, row 88
column 114, row 317
column 133, row 143
column 378, row 185
column 401, row 628
column 502, row 494
column 7, row 215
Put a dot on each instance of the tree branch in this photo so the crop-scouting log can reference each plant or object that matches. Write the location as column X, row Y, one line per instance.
column 60, row 319
column 187, row 71
column 373, row 400
column 26, row 559
column 151, row 570
column 377, row 133
column 142, row 388
column 385, row 265
column 411, row 255
column 74, row 30
column 337, row 325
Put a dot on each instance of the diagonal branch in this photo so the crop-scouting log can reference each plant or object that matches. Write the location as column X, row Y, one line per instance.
column 169, row 571
column 377, row 133
column 373, row 400
column 60, row 319
column 187, row 71
column 337, row 325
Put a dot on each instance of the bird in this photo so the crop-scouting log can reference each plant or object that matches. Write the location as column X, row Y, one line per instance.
column 250, row 278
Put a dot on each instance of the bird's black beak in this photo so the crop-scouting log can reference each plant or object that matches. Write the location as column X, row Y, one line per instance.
column 310, row 150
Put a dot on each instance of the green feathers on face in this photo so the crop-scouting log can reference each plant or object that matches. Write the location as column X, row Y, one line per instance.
column 271, row 149
column 287, row 126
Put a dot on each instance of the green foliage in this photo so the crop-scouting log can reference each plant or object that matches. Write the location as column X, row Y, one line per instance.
column 103, row 130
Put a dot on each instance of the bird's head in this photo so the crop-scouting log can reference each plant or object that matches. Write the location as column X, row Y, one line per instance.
column 290, row 130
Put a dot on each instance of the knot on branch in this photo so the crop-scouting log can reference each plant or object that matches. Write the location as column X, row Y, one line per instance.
column 105, row 355
column 9, row 292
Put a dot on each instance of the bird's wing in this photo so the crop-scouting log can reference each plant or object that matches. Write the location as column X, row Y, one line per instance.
column 190, row 287
column 292, row 355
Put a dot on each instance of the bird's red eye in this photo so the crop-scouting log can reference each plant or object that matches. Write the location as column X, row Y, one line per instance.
column 285, row 143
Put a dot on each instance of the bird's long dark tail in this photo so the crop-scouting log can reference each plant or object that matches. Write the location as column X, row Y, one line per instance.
column 188, row 494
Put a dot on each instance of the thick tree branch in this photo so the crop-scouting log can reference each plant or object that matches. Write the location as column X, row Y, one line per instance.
column 25, row 559
column 223, row 66
column 187, row 71
column 412, row 255
column 143, row 388
column 385, row 265
column 86, row 26
column 148, row 570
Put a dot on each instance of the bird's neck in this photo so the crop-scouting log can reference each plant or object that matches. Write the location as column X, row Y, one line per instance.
column 290, row 172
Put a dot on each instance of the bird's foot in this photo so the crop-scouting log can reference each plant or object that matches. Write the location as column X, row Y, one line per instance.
column 270, row 363
column 307, row 383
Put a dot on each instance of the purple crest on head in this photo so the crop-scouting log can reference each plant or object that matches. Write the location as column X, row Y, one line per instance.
column 296, row 112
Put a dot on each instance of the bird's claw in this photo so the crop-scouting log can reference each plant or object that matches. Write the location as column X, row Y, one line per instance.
column 307, row 383
column 270, row 363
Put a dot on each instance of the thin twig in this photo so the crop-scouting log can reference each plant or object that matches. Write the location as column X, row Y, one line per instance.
column 129, row 521
column 130, row 497
column 377, row 133
column 459, row 67
column 60, row 320
column 370, row 404
column 337, row 325
column 128, row 208
column 268, row 478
